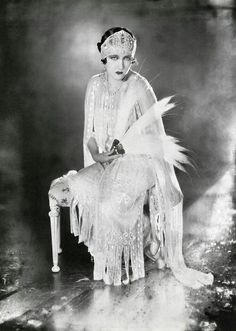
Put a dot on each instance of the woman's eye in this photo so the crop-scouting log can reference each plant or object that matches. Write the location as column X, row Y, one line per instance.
column 127, row 58
column 113, row 57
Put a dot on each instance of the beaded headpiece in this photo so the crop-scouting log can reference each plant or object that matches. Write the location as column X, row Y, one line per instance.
column 122, row 40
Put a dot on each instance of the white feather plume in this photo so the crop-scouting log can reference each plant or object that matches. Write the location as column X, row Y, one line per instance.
column 174, row 153
column 146, row 136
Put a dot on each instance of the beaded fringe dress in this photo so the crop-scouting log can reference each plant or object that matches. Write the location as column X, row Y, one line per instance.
column 107, row 211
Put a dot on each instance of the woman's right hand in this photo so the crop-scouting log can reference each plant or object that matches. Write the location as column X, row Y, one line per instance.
column 106, row 156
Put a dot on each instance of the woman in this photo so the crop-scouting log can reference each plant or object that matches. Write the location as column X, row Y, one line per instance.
column 112, row 189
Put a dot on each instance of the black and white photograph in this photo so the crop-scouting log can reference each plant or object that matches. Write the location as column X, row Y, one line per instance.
column 117, row 165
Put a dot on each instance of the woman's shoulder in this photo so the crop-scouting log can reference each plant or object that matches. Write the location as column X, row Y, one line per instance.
column 133, row 80
column 138, row 80
column 97, row 79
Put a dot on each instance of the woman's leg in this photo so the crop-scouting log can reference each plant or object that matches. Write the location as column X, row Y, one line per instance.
column 119, row 223
column 123, row 183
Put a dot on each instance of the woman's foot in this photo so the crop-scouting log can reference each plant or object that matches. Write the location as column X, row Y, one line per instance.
column 107, row 279
column 160, row 263
column 153, row 251
column 126, row 281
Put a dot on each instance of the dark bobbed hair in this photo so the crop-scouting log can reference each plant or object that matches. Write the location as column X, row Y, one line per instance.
column 107, row 34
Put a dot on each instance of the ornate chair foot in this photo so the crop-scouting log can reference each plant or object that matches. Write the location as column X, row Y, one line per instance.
column 55, row 268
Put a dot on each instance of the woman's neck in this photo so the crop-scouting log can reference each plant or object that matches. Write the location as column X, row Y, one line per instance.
column 115, row 85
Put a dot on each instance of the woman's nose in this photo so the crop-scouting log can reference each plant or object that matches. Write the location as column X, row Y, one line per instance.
column 121, row 64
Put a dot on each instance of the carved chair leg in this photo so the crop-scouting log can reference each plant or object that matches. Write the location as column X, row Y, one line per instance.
column 55, row 228
column 59, row 196
column 59, row 235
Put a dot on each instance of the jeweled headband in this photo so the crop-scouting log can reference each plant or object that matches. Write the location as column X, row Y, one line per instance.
column 122, row 40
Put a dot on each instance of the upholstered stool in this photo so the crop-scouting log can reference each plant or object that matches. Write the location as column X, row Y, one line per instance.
column 59, row 196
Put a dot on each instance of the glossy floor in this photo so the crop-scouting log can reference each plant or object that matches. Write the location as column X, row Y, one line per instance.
column 70, row 300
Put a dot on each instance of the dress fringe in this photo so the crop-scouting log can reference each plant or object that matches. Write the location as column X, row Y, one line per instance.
column 81, row 221
column 127, row 248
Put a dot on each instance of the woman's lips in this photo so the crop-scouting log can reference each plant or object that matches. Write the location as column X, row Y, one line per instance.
column 119, row 72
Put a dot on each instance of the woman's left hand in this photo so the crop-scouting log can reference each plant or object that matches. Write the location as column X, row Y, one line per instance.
column 106, row 156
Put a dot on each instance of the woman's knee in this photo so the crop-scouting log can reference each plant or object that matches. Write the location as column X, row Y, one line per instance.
column 116, row 202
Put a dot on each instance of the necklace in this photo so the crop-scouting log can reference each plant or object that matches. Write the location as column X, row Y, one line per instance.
column 112, row 92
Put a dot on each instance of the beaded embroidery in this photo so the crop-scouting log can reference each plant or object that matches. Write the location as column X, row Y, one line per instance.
column 122, row 40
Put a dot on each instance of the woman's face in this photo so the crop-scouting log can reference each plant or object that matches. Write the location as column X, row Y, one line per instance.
column 118, row 64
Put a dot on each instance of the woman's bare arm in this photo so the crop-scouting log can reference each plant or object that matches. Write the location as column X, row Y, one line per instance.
column 100, row 157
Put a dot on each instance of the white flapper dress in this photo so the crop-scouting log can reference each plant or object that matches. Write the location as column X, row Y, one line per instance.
column 107, row 210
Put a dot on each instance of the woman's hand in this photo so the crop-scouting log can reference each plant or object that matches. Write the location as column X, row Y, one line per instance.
column 101, row 157
column 106, row 156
